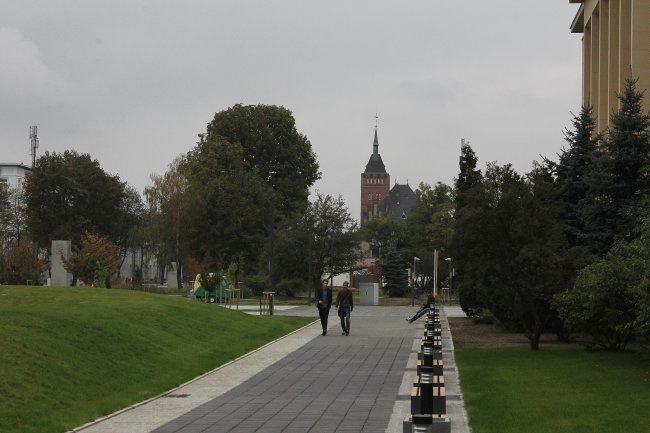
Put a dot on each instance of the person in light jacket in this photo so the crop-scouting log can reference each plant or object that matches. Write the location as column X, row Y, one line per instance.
column 345, row 305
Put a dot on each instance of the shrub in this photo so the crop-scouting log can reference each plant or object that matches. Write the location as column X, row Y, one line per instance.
column 257, row 284
column 609, row 301
column 19, row 263
column 290, row 286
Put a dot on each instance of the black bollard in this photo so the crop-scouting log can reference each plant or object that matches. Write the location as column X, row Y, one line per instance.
column 270, row 304
column 421, row 423
column 427, row 354
column 426, row 390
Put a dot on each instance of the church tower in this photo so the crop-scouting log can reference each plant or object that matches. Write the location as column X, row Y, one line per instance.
column 375, row 185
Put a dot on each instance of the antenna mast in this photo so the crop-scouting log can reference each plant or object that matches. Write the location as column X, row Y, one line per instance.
column 33, row 136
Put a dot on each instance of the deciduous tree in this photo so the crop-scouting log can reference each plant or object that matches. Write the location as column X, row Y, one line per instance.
column 94, row 261
column 271, row 147
column 67, row 194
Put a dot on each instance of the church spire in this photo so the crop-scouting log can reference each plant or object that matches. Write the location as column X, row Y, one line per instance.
column 375, row 144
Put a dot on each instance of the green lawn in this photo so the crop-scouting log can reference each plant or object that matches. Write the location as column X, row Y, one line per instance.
column 70, row 355
column 559, row 389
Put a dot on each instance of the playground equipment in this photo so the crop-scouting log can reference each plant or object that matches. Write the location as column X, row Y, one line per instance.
column 215, row 296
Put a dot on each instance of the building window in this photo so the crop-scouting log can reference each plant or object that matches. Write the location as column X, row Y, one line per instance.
column 369, row 196
column 378, row 196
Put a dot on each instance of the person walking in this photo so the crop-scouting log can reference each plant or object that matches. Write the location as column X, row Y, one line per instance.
column 345, row 305
column 324, row 298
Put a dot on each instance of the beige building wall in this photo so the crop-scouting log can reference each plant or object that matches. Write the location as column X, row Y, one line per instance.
column 615, row 47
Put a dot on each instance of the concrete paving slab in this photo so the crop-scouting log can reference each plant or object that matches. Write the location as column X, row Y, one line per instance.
column 304, row 383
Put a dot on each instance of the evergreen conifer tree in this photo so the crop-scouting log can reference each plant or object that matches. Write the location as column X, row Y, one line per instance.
column 619, row 176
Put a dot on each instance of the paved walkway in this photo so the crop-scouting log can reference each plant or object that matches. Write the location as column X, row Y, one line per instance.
column 302, row 383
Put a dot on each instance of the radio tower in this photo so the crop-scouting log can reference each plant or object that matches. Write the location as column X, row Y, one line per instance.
column 33, row 136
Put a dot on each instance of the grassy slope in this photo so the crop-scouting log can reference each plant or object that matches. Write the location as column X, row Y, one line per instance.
column 562, row 388
column 69, row 355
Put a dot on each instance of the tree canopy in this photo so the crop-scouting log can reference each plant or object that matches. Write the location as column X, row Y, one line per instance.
column 67, row 194
column 272, row 148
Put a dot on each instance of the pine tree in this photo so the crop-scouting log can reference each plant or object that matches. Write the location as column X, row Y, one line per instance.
column 575, row 163
column 469, row 176
column 619, row 177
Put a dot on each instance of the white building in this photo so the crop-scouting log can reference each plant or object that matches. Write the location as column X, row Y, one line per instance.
column 13, row 175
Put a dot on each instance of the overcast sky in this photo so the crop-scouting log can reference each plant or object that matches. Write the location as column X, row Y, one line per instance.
column 133, row 82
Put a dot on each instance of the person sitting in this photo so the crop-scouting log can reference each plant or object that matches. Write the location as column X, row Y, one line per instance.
column 424, row 308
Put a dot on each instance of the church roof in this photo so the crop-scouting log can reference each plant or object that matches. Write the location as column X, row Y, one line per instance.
column 375, row 164
column 399, row 202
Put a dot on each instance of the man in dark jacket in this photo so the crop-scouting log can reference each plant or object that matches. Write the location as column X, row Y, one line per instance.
column 345, row 305
column 324, row 303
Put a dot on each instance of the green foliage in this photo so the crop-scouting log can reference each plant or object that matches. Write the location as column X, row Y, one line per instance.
column 384, row 233
column 71, row 355
column 272, row 148
column 333, row 248
column 230, row 205
column 167, row 216
column 290, row 287
column 611, row 298
column 257, row 284
column 619, row 177
column 211, row 281
column 68, row 194
column 430, row 225
column 94, row 261
column 507, row 247
column 562, row 388
column 469, row 176
column 573, row 169
column 394, row 265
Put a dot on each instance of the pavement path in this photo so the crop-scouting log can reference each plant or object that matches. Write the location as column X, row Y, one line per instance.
column 303, row 382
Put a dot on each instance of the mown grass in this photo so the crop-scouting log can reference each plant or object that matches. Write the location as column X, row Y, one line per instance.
column 70, row 355
column 560, row 388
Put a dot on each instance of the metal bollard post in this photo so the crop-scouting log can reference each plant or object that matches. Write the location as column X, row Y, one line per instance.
column 421, row 423
column 427, row 354
column 426, row 390
column 429, row 336
column 270, row 304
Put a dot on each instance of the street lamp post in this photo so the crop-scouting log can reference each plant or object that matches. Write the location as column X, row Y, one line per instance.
column 451, row 276
column 415, row 260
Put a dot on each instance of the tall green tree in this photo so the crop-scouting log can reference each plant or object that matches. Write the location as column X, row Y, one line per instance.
column 332, row 245
column 619, row 177
column 229, row 205
column 271, row 147
column 384, row 233
column 469, row 176
column 131, row 220
column 574, row 166
column 470, row 207
column 394, row 265
column 508, row 248
column 431, row 223
column 67, row 194
column 168, row 213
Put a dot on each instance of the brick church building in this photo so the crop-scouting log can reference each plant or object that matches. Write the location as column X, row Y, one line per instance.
column 377, row 197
